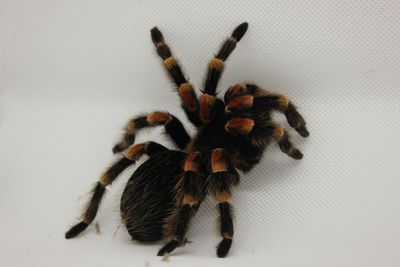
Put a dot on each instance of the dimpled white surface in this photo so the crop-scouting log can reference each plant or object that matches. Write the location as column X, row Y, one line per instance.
column 73, row 72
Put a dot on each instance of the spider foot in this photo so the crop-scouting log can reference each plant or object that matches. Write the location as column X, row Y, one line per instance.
column 295, row 153
column 303, row 131
column 168, row 248
column 223, row 247
column 76, row 230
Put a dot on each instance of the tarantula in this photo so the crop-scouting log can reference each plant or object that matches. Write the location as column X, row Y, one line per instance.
column 166, row 191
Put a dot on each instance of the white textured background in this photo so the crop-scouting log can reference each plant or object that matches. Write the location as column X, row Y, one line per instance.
column 73, row 72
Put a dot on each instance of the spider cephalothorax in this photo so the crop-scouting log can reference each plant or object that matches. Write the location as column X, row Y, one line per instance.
column 165, row 192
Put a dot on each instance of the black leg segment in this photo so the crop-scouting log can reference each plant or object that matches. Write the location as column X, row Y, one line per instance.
column 189, row 101
column 226, row 224
column 216, row 65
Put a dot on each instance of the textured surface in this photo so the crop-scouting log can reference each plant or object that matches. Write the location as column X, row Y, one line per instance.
column 73, row 72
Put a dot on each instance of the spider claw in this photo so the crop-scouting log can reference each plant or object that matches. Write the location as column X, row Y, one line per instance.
column 296, row 154
column 223, row 247
column 117, row 149
column 240, row 31
column 76, row 230
column 168, row 248
column 303, row 131
column 156, row 36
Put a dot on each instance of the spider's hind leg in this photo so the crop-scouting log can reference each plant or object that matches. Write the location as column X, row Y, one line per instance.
column 129, row 157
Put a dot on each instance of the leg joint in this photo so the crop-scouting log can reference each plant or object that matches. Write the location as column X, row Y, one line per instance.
column 242, row 126
column 192, row 162
column 218, row 160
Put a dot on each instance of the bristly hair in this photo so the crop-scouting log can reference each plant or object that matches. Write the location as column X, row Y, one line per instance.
column 220, row 182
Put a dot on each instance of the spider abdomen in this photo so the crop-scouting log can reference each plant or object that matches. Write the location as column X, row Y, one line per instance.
column 148, row 197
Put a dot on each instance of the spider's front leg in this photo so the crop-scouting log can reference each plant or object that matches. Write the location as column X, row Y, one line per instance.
column 259, row 134
column 249, row 96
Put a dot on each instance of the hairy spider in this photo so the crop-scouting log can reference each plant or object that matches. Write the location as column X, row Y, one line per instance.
column 165, row 192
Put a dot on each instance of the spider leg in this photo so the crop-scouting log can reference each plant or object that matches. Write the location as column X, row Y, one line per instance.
column 190, row 193
column 248, row 96
column 129, row 157
column 226, row 229
column 214, row 72
column 188, row 97
column 223, row 177
column 173, row 127
column 282, row 137
column 261, row 133
column 216, row 65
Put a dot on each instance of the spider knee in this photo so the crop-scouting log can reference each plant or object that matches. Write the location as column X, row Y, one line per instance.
column 190, row 200
column 279, row 131
column 242, row 126
column 111, row 174
column 240, row 102
column 191, row 162
column 218, row 163
column 235, row 90
column 223, row 197
column 105, row 180
column 135, row 152
column 170, row 63
column 188, row 96
column 242, row 89
column 192, row 181
column 206, row 107
column 150, row 148
column 158, row 118
column 283, row 102
column 216, row 64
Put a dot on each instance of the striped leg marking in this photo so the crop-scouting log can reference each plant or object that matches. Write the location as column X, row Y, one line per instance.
column 173, row 127
column 185, row 90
